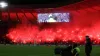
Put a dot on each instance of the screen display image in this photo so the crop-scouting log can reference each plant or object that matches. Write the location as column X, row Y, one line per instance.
column 53, row 17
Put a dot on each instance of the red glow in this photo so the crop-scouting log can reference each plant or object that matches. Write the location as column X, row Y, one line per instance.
column 5, row 16
column 13, row 16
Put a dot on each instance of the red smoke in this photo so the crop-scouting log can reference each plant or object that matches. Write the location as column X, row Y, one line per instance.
column 82, row 22
column 79, row 26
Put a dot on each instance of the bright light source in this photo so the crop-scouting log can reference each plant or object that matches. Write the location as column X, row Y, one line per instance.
column 3, row 4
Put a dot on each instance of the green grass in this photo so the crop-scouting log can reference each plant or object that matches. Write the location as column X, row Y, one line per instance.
column 25, row 50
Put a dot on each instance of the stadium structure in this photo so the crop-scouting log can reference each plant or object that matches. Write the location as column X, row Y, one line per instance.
column 19, row 23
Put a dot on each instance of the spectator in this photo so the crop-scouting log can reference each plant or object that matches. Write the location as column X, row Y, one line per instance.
column 58, row 51
column 67, row 51
column 88, row 46
column 75, row 50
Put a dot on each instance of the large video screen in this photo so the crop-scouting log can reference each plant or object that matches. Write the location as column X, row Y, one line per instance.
column 53, row 17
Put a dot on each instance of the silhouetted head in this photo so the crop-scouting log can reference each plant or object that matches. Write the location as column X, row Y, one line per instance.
column 88, row 39
column 69, row 47
column 75, row 45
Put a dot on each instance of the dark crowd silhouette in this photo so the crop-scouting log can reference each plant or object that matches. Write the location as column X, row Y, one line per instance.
column 73, row 49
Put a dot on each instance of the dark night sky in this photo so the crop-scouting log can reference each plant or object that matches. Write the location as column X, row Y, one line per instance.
column 40, row 1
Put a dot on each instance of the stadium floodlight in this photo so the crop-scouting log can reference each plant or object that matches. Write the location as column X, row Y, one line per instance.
column 3, row 4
